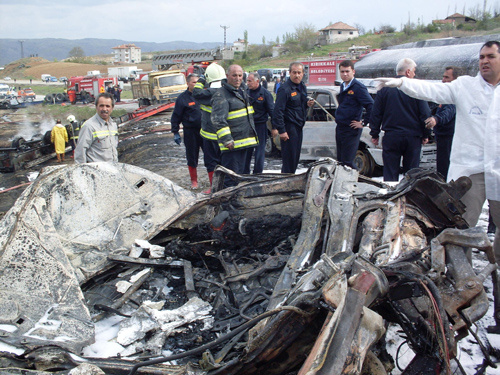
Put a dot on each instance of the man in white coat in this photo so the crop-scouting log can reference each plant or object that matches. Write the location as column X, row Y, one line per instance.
column 476, row 144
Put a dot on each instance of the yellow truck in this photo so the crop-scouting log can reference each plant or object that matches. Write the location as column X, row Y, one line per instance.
column 160, row 87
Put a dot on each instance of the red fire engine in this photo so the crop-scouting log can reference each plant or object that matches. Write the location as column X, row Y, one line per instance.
column 88, row 88
column 321, row 72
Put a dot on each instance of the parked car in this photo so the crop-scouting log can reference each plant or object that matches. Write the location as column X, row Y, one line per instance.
column 7, row 79
column 319, row 135
column 63, row 79
column 52, row 79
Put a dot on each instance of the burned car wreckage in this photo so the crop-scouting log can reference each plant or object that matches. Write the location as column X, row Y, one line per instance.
column 281, row 274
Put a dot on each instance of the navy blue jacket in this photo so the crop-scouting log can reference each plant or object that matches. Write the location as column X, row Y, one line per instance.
column 186, row 111
column 290, row 107
column 351, row 104
column 396, row 112
column 263, row 104
column 445, row 116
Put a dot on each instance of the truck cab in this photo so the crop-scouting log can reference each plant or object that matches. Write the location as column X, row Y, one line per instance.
column 161, row 87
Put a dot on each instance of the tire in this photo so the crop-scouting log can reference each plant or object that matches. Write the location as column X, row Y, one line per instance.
column 271, row 149
column 59, row 97
column 17, row 142
column 364, row 163
column 49, row 98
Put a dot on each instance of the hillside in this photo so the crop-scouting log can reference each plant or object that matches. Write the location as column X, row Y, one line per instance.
column 58, row 49
column 34, row 67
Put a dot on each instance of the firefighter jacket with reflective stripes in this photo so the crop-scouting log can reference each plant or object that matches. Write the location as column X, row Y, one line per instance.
column 204, row 97
column 73, row 129
column 98, row 141
column 232, row 116
column 186, row 111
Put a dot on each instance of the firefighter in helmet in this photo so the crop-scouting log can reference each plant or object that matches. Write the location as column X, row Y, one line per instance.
column 202, row 92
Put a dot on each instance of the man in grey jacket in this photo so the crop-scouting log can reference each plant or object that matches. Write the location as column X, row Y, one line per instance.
column 98, row 139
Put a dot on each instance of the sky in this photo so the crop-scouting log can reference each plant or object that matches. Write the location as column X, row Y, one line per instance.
column 201, row 21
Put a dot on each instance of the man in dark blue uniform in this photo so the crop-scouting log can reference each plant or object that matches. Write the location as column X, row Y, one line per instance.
column 187, row 111
column 289, row 117
column 263, row 105
column 443, row 123
column 353, row 97
column 403, row 120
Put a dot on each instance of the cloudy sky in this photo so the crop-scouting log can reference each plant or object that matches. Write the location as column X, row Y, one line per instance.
column 200, row 20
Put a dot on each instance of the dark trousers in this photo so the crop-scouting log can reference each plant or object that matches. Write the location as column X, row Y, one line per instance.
column 443, row 151
column 395, row 147
column 211, row 154
column 235, row 161
column 290, row 150
column 193, row 142
column 259, row 151
column 347, row 145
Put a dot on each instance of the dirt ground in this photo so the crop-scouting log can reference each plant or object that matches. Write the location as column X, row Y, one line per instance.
column 36, row 66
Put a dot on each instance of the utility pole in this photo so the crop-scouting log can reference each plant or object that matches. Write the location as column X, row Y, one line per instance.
column 22, row 49
column 225, row 28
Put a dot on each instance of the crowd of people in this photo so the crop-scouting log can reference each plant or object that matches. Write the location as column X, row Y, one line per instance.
column 226, row 118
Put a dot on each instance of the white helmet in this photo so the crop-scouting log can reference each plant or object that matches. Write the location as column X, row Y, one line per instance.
column 71, row 118
column 214, row 72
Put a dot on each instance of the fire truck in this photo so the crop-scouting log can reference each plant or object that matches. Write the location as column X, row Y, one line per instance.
column 321, row 72
column 89, row 87
column 82, row 88
column 324, row 71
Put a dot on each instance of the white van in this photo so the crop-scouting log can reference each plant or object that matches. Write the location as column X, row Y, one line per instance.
column 277, row 73
column 4, row 89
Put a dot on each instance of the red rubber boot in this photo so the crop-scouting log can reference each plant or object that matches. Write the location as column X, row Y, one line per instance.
column 193, row 173
column 210, row 177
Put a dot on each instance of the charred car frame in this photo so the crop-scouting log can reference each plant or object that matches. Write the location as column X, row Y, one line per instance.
column 281, row 274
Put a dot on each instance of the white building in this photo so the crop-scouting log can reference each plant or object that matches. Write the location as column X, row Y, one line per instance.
column 338, row 32
column 126, row 54
column 239, row 45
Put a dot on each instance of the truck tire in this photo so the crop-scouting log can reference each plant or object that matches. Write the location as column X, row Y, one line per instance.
column 59, row 97
column 49, row 98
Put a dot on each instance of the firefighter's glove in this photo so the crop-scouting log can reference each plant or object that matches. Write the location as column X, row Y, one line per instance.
column 388, row 82
column 177, row 138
